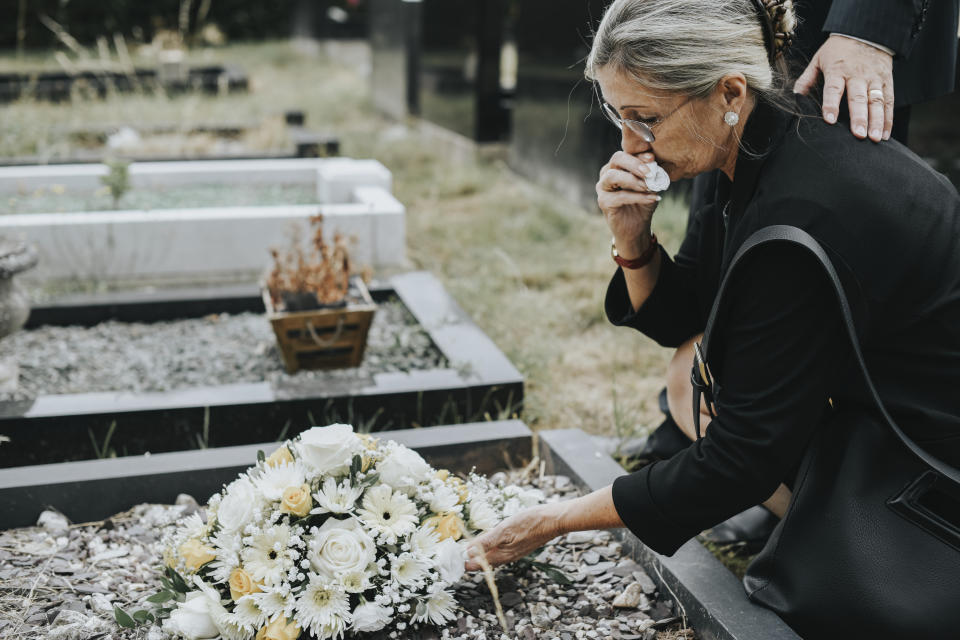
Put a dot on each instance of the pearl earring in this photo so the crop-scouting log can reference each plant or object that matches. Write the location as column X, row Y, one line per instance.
column 731, row 118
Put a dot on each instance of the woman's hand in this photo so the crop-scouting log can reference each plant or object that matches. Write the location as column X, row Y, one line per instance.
column 515, row 537
column 625, row 201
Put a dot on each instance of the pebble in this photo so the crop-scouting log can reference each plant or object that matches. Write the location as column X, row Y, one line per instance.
column 631, row 597
column 216, row 350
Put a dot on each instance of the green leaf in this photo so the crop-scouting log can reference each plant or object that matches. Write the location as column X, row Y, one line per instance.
column 371, row 480
column 355, row 465
column 179, row 584
column 123, row 618
column 261, row 457
column 141, row 616
column 162, row 596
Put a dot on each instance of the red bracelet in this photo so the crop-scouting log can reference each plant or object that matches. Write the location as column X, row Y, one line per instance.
column 641, row 261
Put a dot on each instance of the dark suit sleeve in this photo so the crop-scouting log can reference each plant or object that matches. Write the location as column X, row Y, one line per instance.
column 780, row 342
column 673, row 312
column 892, row 23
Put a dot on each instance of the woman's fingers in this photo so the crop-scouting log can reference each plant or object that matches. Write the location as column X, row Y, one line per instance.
column 618, row 179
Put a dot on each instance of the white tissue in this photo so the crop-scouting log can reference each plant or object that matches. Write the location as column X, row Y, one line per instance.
column 657, row 179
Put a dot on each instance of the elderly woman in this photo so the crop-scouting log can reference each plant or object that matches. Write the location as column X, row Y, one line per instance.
column 697, row 85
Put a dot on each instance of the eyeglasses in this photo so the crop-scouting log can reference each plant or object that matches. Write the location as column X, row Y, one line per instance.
column 642, row 129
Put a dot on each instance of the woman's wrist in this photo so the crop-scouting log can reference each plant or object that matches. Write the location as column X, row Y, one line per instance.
column 632, row 248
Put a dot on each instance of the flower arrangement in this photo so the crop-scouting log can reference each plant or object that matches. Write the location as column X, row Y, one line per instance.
column 333, row 534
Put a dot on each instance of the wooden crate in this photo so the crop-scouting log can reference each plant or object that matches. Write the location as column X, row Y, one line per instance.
column 323, row 338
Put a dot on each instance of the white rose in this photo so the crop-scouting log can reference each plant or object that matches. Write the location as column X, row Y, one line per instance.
column 238, row 506
column 329, row 449
column 404, row 469
column 340, row 547
column 512, row 507
column 483, row 517
column 450, row 561
column 371, row 617
column 192, row 618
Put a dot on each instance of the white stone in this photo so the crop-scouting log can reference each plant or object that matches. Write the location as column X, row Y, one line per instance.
column 631, row 597
column 9, row 376
column 53, row 521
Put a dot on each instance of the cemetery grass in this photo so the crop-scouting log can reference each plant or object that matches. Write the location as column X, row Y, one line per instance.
column 529, row 267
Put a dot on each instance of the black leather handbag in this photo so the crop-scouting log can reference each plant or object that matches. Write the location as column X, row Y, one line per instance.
column 870, row 545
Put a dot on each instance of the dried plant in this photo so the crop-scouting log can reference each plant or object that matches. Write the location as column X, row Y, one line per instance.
column 323, row 270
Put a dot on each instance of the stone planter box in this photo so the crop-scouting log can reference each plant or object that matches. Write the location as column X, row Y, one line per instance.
column 218, row 243
column 59, row 427
column 712, row 598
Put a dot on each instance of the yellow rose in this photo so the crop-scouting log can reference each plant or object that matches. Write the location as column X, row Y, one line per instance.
column 278, row 457
column 196, row 554
column 366, row 462
column 297, row 500
column 278, row 629
column 241, row 584
column 442, row 475
column 448, row 525
column 368, row 440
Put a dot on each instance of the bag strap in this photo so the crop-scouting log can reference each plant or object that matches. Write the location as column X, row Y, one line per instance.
column 700, row 375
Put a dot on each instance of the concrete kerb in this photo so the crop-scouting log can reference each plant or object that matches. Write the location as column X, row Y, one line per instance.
column 713, row 598
column 91, row 490
column 325, row 173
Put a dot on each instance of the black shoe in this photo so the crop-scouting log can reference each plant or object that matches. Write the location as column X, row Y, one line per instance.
column 752, row 528
column 666, row 441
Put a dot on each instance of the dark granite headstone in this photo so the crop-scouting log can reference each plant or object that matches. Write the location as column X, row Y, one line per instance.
column 560, row 138
column 394, row 34
column 460, row 79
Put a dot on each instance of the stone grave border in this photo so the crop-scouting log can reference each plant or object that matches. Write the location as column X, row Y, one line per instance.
column 210, row 242
column 480, row 376
column 713, row 599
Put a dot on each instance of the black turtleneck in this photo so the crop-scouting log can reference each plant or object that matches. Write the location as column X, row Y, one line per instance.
column 892, row 227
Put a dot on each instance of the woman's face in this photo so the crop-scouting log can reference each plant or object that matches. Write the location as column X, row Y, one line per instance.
column 691, row 137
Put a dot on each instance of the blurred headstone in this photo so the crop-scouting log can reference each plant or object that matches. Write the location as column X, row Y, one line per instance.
column 560, row 137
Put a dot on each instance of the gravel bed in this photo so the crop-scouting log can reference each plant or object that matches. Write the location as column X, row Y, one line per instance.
column 214, row 350
column 56, row 199
column 61, row 581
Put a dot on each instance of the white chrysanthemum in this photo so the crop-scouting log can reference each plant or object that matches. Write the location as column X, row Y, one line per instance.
column 192, row 526
column 227, row 546
column 276, row 479
column 388, row 513
column 437, row 609
column 272, row 603
column 248, row 614
column 444, row 499
column 269, row 556
column 483, row 517
column 424, row 541
column 354, row 581
column 323, row 608
column 336, row 498
column 408, row 569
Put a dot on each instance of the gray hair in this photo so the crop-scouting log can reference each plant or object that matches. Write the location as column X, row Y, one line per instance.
column 687, row 46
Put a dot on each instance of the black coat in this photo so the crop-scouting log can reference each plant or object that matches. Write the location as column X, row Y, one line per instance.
column 923, row 33
column 892, row 227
